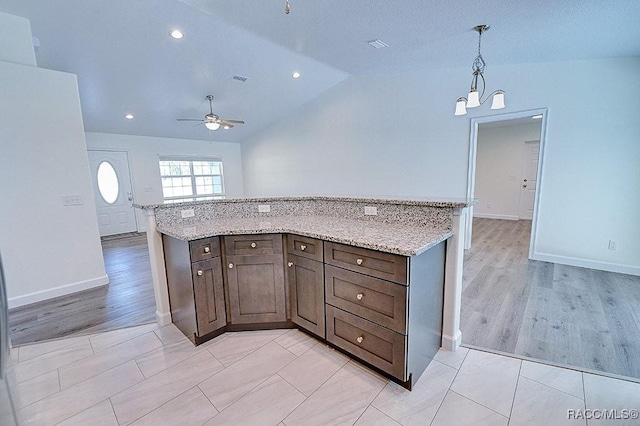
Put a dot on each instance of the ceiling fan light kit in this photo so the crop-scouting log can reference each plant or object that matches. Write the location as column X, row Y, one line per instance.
column 474, row 98
column 212, row 121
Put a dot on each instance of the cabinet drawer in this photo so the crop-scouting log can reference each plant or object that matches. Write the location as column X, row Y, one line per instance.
column 380, row 301
column 241, row 245
column 305, row 247
column 204, row 249
column 370, row 342
column 390, row 267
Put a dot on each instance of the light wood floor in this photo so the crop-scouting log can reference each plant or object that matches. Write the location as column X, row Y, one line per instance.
column 127, row 301
column 563, row 314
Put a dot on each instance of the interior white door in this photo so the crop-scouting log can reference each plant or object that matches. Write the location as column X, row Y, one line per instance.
column 112, row 192
column 529, row 178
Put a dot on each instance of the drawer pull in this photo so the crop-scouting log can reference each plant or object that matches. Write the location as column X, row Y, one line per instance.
column 359, row 296
column 207, row 249
column 200, row 272
column 290, row 264
column 231, row 266
column 303, row 247
column 360, row 339
column 253, row 245
column 359, row 261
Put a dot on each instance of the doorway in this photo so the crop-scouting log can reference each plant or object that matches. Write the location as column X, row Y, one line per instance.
column 516, row 179
column 113, row 192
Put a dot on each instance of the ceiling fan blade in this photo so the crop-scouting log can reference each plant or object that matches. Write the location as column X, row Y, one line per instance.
column 234, row 121
column 199, row 124
column 189, row 119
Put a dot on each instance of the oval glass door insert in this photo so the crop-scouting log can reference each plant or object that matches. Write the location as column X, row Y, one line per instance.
column 108, row 182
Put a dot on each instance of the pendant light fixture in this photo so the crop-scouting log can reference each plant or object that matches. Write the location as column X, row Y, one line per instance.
column 287, row 8
column 474, row 99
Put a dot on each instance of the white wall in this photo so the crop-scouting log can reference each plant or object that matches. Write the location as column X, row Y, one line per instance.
column 16, row 44
column 143, row 155
column 396, row 134
column 499, row 169
column 48, row 249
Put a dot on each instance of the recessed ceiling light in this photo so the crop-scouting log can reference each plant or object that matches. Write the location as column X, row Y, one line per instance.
column 129, row 116
column 177, row 34
column 536, row 116
column 296, row 75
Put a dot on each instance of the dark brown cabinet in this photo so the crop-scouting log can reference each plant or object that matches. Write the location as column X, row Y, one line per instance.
column 196, row 288
column 384, row 308
column 208, row 290
column 255, row 279
column 305, row 277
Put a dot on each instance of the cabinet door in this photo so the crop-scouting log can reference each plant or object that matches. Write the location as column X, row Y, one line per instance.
column 209, row 295
column 306, row 289
column 256, row 289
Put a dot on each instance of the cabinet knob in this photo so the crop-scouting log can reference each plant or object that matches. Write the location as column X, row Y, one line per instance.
column 359, row 296
column 360, row 339
column 253, row 245
column 303, row 247
column 231, row 266
column 200, row 272
column 207, row 249
column 359, row 261
column 290, row 264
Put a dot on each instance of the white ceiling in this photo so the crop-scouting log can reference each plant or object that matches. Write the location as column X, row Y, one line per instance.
column 126, row 62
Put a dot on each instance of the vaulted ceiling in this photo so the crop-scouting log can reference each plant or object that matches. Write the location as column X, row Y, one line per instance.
column 127, row 63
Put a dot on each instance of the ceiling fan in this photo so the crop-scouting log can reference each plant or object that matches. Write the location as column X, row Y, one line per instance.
column 212, row 121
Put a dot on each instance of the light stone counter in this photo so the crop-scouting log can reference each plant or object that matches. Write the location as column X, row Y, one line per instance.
column 402, row 239
column 404, row 226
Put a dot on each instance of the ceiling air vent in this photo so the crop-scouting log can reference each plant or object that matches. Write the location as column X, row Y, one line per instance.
column 377, row 44
column 240, row 78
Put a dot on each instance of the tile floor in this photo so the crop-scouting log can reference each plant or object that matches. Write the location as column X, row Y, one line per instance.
column 154, row 376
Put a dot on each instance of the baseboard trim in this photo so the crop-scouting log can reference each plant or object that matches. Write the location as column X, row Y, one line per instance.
column 163, row 318
column 451, row 343
column 584, row 263
column 39, row 296
column 495, row 216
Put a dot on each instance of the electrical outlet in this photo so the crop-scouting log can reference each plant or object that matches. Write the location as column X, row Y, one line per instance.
column 72, row 200
column 264, row 208
column 188, row 213
column 613, row 245
column 370, row 211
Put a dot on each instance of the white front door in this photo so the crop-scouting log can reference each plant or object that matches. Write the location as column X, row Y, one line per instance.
column 529, row 178
column 112, row 192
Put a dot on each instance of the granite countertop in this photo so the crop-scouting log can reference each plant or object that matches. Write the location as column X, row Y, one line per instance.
column 414, row 201
column 405, row 240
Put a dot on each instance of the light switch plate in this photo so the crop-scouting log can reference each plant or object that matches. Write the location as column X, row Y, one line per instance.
column 188, row 213
column 72, row 200
column 370, row 211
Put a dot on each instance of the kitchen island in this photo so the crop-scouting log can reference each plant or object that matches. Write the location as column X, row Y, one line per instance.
column 368, row 276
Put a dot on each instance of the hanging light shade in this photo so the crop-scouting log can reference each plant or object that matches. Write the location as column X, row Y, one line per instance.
column 498, row 100
column 212, row 125
column 474, row 98
column 461, row 107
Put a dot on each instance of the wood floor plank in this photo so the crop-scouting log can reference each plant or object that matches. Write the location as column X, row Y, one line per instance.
column 127, row 300
column 563, row 314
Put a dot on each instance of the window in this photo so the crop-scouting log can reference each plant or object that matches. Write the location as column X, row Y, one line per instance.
column 191, row 179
